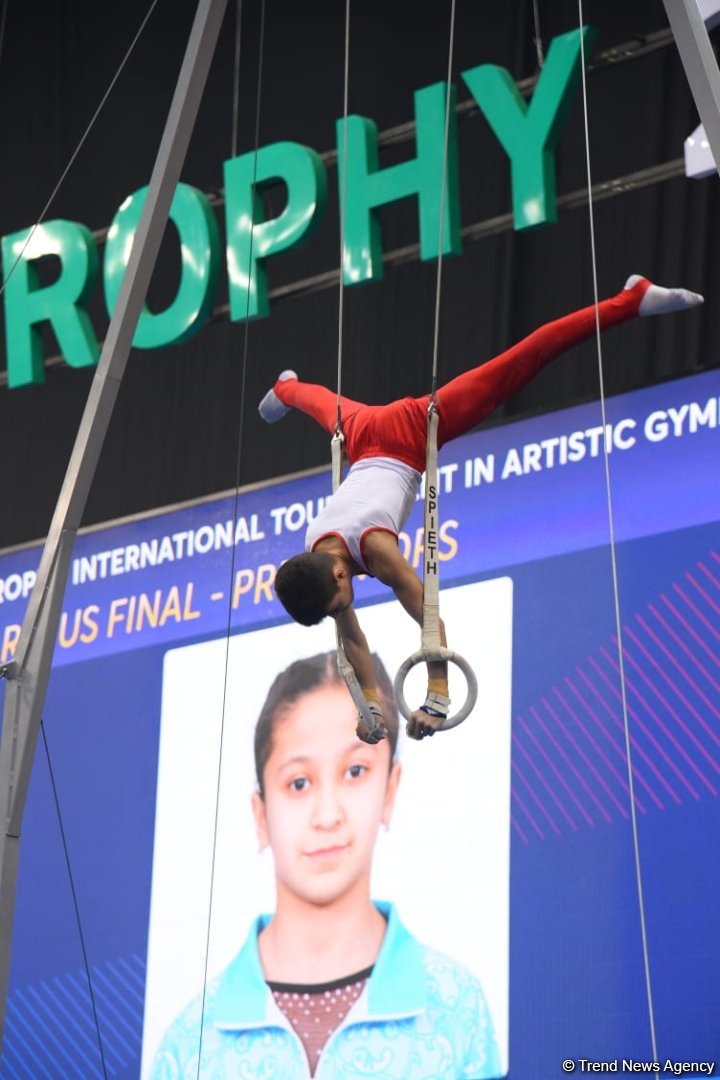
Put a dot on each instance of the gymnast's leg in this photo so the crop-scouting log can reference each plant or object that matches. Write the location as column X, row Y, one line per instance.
column 316, row 401
column 471, row 397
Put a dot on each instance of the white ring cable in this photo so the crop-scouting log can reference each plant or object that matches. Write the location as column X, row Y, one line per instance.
column 343, row 189
column 613, row 560
column 443, row 197
column 238, row 465
column 430, row 642
column 344, row 667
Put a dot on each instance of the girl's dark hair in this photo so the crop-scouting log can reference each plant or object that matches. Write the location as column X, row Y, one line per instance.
column 302, row 677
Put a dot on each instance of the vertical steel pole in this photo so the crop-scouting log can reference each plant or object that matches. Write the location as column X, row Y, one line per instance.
column 701, row 69
column 28, row 675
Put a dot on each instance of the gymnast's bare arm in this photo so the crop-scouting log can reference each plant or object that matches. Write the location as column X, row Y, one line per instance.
column 387, row 564
column 356, row 648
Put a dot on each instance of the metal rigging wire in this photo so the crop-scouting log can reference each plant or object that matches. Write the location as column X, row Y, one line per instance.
column 538, row 36
column 443, row 197
column 51, row 772
column 343, row 188
column 81, row 143
column 613, row 561
column 238, row 463
column 75, row 901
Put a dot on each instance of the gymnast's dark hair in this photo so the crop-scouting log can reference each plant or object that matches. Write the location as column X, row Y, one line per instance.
column 305, row 585
column 302, row 677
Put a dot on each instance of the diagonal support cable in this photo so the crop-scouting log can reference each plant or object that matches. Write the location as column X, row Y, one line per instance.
column 76, row 905
column 29, row 673
column 73, row 157
column 238, row 468
column 614, row 569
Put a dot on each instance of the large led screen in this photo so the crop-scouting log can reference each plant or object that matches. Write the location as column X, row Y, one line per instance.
column 511, row 849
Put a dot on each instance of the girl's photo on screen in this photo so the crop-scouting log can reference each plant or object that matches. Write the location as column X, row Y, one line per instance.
column 348, row 941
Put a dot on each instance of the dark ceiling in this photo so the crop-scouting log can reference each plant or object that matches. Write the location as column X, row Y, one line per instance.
column 177, row 432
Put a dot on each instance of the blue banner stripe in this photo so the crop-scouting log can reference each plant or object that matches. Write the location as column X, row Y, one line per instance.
column 135, row 1014
column 58, row 1038
column 165, row 577
column 106, row 1007
column 126, row 984
column 88, row 1036
column 15, row 1019
column 108, row 1046
column 8, row 1069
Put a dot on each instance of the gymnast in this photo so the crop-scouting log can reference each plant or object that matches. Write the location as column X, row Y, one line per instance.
column 357, row 531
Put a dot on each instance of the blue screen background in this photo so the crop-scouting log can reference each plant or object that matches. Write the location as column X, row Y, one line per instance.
column 577, row 972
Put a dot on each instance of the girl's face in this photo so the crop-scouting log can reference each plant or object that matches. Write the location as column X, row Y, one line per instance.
column 326, row 794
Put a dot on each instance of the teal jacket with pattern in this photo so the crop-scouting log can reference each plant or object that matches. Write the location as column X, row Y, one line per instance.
column 420, row 1016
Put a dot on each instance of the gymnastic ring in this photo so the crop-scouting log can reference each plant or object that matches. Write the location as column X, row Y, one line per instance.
column 450, row 657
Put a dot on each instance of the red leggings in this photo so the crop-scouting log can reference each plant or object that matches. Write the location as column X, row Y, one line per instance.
column 399, row 429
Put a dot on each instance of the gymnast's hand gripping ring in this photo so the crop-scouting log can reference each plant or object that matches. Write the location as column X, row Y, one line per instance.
column 423, row 655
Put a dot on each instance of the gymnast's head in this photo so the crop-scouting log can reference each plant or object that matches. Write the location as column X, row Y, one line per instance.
column 313, row 585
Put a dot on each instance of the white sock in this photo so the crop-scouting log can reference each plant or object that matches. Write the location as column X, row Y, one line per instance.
column 271, row 407
column 659, row 300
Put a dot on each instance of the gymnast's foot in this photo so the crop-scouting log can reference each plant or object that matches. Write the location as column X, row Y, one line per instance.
column 271, row 407
column 429, row 718
column 659, row 301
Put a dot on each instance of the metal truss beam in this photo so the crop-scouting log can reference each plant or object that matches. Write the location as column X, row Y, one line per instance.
column 29, row 673
column 701, row 69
